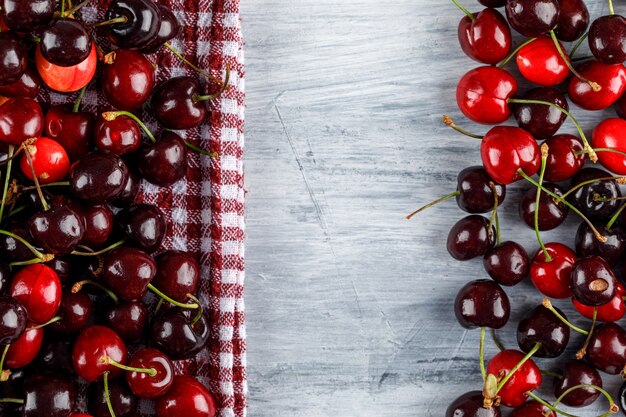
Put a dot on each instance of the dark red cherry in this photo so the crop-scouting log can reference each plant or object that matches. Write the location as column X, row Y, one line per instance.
column 28, row 85
column 98, row 177
column 175, row 103
column 486, row 38
column 607, row 348
column 72, row 130
column 143, row 225
column 14, row 58
column 610, row 78
column 164, row 162
column 49, row 161
column 175, row 333
column 128, row 319
column 122, row 399
column 505, row 150
column 178, row 274
column 492, row 3
column 620, row 106
column 612, row 311
column 589, row 198
column 551, row 213
column 482, row 303
column 482, row 94
column 21, row 118
column 143, row 21
column 149, row 386
column 593, row 281
column 13, row 319
column 532, row 408
column 75, row 311
column 4, row 277
column 607, row 39
column 539, row 120
column 25, row 349
column 127, row 196
column 27, row 15
column 470, row 237
column 611, row 251
column 187, row 397
column 565, row 157
column 577, row 373
column 507, row 263
column 128, row 271
column 611, row 133
column 573, row 20
column 56, row 394
column 540, row 63
column 56, row 353
column 127, row 79
column 532, row 18
column 541, row 325
column 98, row 225
column 119, row 136
column 58, row 230
column 12, row 249
column 528, row 377
column 475, row 190
column 90, row 346
column 552, row 278
column 38, row 288
column 470, row 404
column 65, row 42
column 169, row 29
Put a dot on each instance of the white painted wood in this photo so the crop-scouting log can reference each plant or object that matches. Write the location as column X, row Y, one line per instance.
column 349, row 305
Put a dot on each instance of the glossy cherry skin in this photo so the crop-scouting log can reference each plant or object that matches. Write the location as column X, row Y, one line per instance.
column 541, row 325
column 607, row 39
column 122, row 399
column 482, row 94
column 573, row 20
column 27, row 15
column 67, row 79
column 487, row 38
column 584, row 200
column 551, row 213
column 164, row 162
column 13, row 319
column 527, row 378
column 25, row 349
column 470, row 404
column 532, row 409
column 75, row 310
column 607, row 348
column 174, row 333
column 593, row 281
column 119, row 136
column 90, row 346
column 532, row 18
column 147, row 386
column 612, row 311
column 38, row 288
column 143, row 24
column 169, row 29
column 611, row 133
column 12, row 249
column 540, row 120
column 174, row 104
column 128, row 271
column 50, row 161
column 564, row 157
column 482, row 303
column 143, row 225
column 63, row 267
column 507, row 263
column 475, row 190
column 187, row 397
column 611, row 251
column 98, row 177
column 14, row 58
column 71, row 130
column 58, row 230
column 55, row 354
column 127, row 81
column 577, row 373
column 506, row 149
column 611, row 79
column 21, row 118
column 28, row 85
column 470, row 237
column 98, row 225
column 620, row 106
column 56, row 394
column 127, row 318
column 13, row 388
column 65, row 42
column 553, row 278
column 178, row 274
column 540, row 63
column 131, row 188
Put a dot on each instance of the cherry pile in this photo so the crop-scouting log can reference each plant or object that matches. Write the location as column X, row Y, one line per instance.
column 90, row 302
column 568, row 175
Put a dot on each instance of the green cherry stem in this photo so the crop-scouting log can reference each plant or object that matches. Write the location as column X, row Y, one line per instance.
column 548, row 304
column 171, row 300
column 40, row 326
column 432, row 203
column 550, row 373
column 51, row 184
column 80, row 284
column 76, row 8
column 195, row 67
column 200, row 309
column 494, row 213
column 106, row 360
column 200, row 150
column 101, row 251
column 112, row 115
column 583, row 350
column 515, row 51
column 62, row 7
column 447, row 120
column 619, row 179
column 79, row 100
column 12, row 400
column 4, row 374
column 26, row 147
column 615, row 217
column 496, row 340
column 594, row 86
column 611, row 10
column 612, row 406
column 577, row 45
column 6, row 181
column 481, row 353
column 464, row 10
column 44, row 258
column 24, row 263
column 547, row 404
column 107, row 394
column 602, row 150
column 121, row 19
column 542, row 170
column 519, row 365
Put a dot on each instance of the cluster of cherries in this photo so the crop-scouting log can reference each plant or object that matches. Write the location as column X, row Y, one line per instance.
column 560, row 183
column 78, row 256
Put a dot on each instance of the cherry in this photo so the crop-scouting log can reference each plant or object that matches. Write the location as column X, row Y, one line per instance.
column 28, row 85
column 143, row 225
column 128, row 272
column 178, row 274
column 565, row 157
column 119, row 136
column 128, row 319
column 527, row 378
column 541, row 325
column 52, row 394
column 505, row 150
column 65, row 42
column 532, row 409
column 540, row 63
column 620, row 106
column 98, row 177
column 470, row 404
column 485, row 37
column 49, row 161
column 492, row 3
column 13, row 388
column 507, row 263
column 188, row 397
column 25, row 349
column 149, row 386
column 593, row 281
column 611, row 133
column 58, row 230
column 21, row 118
column 70, row 129
column 139, row 24
column 475, row 192
column 123, row 402
column 38, row 288
column 610, row 78
column 164, row 162
column 607, row 348
column 175, row 332
column 609, row 312
column 482, row 94
column 551, row 213
column 27, row 15
column 577, row 373
column 573, row 20
column 127, row 79
column 67, row 79
column 13, row 319
column 63, row 267
column 482, row 303
column 15, row 59
column 607, row 39
column 470, row 237
column 56, row 354
column 611, row 251
column 590, row 198
column 75, row 311
column 178, row 103
column 532, row 18
column 552, row 277
column 540, row 120
column 98, row 225
column 13, row 249
column 131, row 188
column 169, row 29
column 4, row 277
column 91, row 345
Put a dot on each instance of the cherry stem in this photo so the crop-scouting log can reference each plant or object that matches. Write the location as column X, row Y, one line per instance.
column 101, row 251
column 612, row 406
column 107, row 394
column 619, row 180
column 44, row 203
column 79, row 286
column 519, row 365
column 550, row 373
column 497, row 229
column 200, row 309
column 158, row 306
column 547, row 404
column 615, row 217
column 109, row 361
column 51, row 184
column 583, row 350
column 494, row 212
column 594, row 86
column 447, row 120
column 481, row 353
column 12, row 400
column 515, row 51
column 4, row 355
column 6, row 181
column 28, row 262
column 44, row 258
column 577, row 45
column 611, row 10
column 171, row 300
column 62, row 7
column 432, row 203
column 542, row 170
column 76, row 8
column 567, row 203
column 195, row 67
column 496, row 340
column 200, row 150
column 548, row 304
column 40, row 326
column 602, row 150
column 17, row 210
column 121, row 19
column 112, row 115
column 79, row 100
column 464, row 10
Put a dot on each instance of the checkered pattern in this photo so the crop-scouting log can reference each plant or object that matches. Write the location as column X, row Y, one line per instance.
column 206, row 209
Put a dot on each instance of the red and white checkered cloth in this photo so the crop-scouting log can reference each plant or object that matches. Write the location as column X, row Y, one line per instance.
column 205, row 211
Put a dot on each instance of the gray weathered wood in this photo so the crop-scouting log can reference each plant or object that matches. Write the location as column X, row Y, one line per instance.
column 349, row 305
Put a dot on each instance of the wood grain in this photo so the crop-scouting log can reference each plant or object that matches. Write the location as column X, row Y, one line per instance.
column 349, row 305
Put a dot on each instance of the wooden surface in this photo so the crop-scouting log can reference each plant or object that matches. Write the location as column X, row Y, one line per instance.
column 349, row 305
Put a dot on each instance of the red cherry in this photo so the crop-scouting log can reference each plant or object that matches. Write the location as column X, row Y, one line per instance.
column 610, row 77
column 119, row 136
column 482, row 94
column 506, row 149
column 38, row 288
column 25, row 349
column 91, row 347
column 527, row 378
column 50, row 161
column 149, row 386
column 609, row 312
column 611, row 133
column 72, row 130
column 187, row 397
column 127, row 79
column 20, row 119
column 564, row 157
column 532, row 409
column 553, row 278
column 487, row 38
column 540, row 63
column 67, row 79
